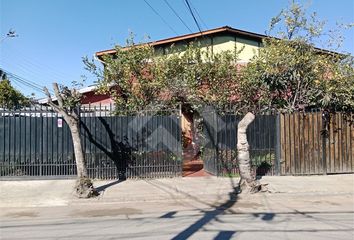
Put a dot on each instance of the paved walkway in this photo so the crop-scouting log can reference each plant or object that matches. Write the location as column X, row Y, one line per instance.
column 59, row 192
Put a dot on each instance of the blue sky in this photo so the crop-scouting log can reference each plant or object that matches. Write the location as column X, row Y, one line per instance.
column 55, row 34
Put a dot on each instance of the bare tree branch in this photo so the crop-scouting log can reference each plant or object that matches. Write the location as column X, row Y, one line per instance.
column 58, row 95
column 53, row 105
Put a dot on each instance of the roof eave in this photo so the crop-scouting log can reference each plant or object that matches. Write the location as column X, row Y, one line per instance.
column 191, row 36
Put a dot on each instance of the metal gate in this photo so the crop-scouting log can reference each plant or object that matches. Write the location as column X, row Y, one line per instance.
column 37, row 142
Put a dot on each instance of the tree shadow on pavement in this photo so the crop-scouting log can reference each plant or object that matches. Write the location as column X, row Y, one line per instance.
column 224, row 235
column 104, row 187
column 265, row 216
column 209, row 216
column 213, row 215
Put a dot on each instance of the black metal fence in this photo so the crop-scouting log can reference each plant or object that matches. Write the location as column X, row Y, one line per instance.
column 37, row 142
column 220, row 139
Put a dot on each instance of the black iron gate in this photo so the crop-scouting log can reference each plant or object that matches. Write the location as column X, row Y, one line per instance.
column 37, row 142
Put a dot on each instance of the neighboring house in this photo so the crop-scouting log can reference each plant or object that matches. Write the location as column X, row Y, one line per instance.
column 93, row 103
column 90, row 98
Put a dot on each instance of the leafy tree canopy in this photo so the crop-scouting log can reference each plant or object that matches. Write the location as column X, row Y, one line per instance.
column 11, row 98
column 139, row 78
column 290, row 73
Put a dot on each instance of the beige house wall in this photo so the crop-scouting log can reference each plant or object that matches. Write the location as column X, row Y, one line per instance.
column 216, row 44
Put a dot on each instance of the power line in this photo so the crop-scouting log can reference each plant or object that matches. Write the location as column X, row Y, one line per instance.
column 161, row 17
column 26, row 69
column 200, row 18
column 16, row 84
column 173, row 10
column 191, row 12
column 23, row 81
column 36, row 63
column 18, row 81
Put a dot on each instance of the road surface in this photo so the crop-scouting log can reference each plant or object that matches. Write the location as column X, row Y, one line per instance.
column 263, row 216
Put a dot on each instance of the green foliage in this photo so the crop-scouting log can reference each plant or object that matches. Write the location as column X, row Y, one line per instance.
column 295, row 23
column 71, row 97
column 335, row 91
column 139, row 78
column 231, row 175
column 289, row 73
column 11, row 98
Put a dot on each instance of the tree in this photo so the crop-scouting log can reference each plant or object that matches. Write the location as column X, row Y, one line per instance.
column 284, row 76
column 10, row 98
column 139, row 78
column 290, row 73
column 68, row 103
column 192, row 76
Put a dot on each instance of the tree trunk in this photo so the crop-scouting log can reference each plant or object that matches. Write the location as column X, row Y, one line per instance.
column 248, row 182
column 78, row 151
column 84, row 186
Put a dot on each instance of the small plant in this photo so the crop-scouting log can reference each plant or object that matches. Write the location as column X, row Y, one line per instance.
column 231, row 175
column 263, row 168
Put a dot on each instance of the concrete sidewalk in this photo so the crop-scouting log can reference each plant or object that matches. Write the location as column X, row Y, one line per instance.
column 313, row 207
column 46, row 193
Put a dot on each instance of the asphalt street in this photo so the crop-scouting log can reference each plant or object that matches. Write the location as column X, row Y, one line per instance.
column 263, row 217
column 189, row 225
column 299, row 208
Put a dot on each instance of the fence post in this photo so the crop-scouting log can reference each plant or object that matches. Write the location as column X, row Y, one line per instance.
column 324, row 132
column 277, row 146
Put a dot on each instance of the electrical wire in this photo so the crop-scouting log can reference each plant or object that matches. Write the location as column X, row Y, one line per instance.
column 200, row 18
column 171, row 28
column 35, row 63
column 25, row 69
column 173, row 10
column 194, row 18
column 23, row 81
column 18, row 81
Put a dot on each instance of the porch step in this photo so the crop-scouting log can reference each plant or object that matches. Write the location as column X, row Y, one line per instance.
column 190, row 156
column 193, row 168
column 193, row 165
column 200, row 173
